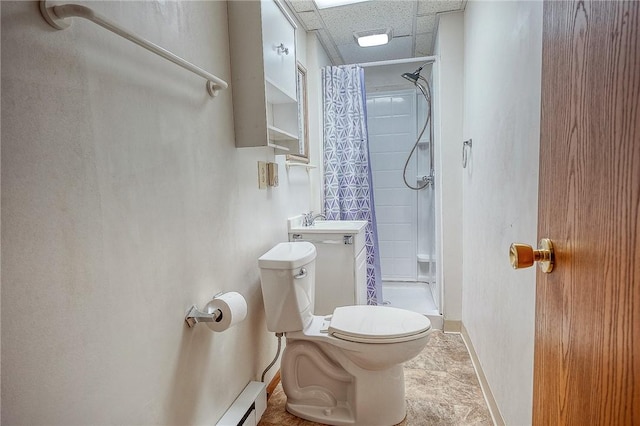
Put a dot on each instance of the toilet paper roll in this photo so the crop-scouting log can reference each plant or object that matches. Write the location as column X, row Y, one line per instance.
column 233, row 308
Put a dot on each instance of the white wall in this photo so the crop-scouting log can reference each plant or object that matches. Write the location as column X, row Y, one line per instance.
column 447, row 75
column 502, row 68
column 316, row 59
column 124, row 201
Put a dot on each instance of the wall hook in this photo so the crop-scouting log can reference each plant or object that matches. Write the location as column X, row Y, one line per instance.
column 466, row 148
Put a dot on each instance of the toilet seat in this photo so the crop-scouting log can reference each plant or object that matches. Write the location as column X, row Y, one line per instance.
column 377, row 324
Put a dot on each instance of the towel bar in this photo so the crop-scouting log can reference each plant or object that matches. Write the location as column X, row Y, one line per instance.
column 55, row 16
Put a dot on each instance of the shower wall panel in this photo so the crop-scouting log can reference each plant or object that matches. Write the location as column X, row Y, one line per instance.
column 392, row 132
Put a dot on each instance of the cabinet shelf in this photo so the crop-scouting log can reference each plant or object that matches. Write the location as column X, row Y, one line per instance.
column 280, row 148
column 277, row 134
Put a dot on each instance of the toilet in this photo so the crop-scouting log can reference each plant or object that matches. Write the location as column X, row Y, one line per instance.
column 340, row 369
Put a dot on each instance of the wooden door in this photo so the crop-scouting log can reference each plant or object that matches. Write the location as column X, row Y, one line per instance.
column 587, row 344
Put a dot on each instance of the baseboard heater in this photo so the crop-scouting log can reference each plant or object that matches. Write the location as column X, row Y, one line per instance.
column 248, row 407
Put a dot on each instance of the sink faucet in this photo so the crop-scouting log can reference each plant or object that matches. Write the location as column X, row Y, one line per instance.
column 310, row 218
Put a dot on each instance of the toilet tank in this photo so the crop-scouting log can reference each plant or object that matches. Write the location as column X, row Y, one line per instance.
column 287, row 276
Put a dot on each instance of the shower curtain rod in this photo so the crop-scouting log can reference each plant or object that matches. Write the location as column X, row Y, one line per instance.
column 55, row 16
column 422, row 59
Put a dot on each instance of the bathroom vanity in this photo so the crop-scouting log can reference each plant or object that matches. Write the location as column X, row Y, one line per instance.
column 341, row 263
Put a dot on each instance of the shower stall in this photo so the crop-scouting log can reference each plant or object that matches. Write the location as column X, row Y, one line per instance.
column 402, row 166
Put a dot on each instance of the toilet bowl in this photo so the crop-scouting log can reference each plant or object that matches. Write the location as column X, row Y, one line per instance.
column 344, row 368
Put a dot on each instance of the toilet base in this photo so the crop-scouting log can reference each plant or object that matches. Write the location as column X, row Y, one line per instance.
column 324, row 386
column 338, row 416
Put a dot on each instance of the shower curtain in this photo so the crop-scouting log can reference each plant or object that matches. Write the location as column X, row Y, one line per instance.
column 348, row 188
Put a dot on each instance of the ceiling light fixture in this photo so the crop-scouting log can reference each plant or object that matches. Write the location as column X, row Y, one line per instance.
column 325, row 4
column 373, row 38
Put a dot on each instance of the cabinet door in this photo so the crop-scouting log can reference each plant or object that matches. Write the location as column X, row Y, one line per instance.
column 361, row 277
column 279, row 67
column 334, row 274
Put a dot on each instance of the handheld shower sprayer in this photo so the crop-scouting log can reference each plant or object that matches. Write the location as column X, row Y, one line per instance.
column 413, row 77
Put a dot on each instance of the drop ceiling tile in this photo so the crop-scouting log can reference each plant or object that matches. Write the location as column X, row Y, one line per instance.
column 343, row 21
column 310, row 20
column 302, row 5
column 424, row 44
column 335, row 27
column 429, row 7
column 425, row 24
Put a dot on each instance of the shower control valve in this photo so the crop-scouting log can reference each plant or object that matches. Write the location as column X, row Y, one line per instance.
column 428, row 180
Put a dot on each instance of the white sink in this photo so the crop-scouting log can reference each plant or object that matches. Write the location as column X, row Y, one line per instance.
column 331, row 227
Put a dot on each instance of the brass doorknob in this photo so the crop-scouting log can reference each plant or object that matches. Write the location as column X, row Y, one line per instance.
column 523, row 255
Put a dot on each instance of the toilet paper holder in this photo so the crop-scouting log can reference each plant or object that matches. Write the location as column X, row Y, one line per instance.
column 224, row 310
column 194, row 315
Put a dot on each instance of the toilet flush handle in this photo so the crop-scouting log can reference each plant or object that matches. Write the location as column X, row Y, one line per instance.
column 301, row 274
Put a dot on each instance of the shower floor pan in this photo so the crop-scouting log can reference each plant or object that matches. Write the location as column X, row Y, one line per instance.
column 413, row 296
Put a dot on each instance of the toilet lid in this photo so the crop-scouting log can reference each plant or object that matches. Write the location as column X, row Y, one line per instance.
column 377, row 324
column 288, row 256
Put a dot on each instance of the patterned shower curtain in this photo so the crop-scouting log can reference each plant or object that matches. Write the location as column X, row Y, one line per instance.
column 348, row 187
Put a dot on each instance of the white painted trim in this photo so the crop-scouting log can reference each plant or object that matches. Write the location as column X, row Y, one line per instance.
column 286, row 14
column 437, row 188
column 430, row 59
column 484, row 384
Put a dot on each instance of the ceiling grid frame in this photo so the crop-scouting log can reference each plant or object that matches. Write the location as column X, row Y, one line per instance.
column 413, row 24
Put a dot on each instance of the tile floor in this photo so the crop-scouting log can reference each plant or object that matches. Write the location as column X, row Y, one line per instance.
column 441, row 389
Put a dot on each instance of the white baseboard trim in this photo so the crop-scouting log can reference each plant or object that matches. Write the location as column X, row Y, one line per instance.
column 484, row 385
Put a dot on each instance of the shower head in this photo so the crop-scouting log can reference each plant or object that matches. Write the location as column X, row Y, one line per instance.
column 412, row 77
